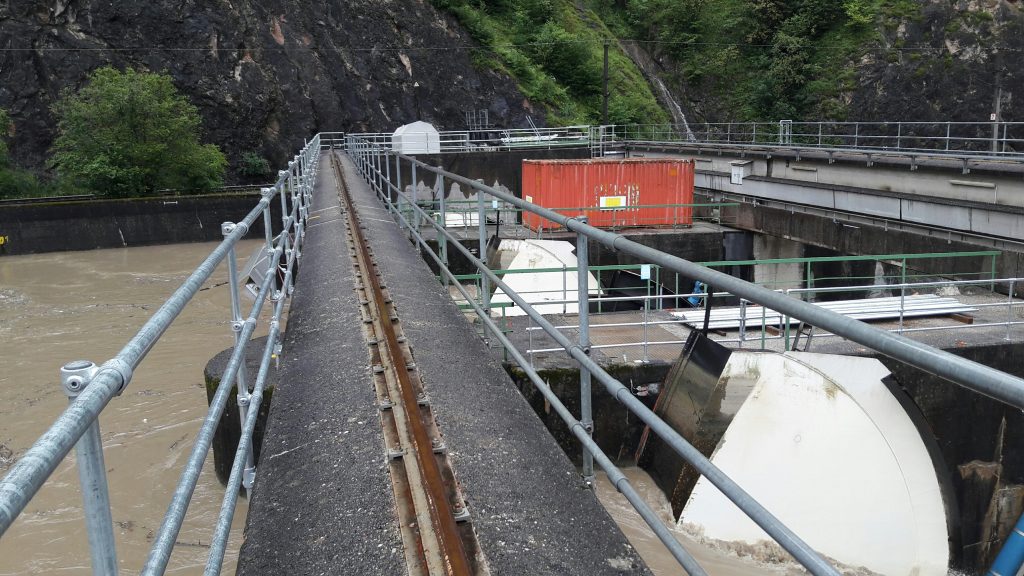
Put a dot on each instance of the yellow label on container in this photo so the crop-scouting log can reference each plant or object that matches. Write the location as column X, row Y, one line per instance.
column 613, row 201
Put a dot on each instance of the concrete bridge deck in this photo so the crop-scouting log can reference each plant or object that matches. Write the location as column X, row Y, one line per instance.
column 323, row 504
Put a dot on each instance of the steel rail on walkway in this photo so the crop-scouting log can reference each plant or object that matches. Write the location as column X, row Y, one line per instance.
column 374, row 163
column 91, row 388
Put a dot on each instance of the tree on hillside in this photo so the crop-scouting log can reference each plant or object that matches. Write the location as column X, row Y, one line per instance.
column 131, row 133
column 14, row 182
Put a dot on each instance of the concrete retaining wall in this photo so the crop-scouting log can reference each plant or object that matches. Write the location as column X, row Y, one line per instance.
column 64, row 226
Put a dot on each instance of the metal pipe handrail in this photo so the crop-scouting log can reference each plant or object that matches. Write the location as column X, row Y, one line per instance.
column 754, row 510
column 92, row 388
column 971, row 375
column 577, row 427
column 951, row 139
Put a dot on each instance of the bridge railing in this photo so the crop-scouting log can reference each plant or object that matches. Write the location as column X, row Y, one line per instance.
column 490, row 139
column 955, row 139
column 90, row 388
column 377, row 163
column 984, row 139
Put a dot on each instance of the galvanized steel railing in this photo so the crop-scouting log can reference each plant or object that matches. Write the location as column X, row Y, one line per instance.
column 375, row 162
column 974, row 140
column 971, row 139
column 769, row 326
column 90, row 387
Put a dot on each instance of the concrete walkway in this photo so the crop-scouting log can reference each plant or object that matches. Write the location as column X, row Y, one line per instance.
column 322, row 502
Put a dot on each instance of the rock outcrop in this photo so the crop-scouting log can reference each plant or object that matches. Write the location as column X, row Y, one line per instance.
column 264, row 74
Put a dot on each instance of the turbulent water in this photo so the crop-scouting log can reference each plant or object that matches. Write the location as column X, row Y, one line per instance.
column 654, row 553
column 85, row 305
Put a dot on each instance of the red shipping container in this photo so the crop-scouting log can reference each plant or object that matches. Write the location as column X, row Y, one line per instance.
column 611, row 193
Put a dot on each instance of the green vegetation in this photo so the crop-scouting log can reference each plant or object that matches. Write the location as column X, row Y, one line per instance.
column 761, row 59
column 254, row 166
column 14, row 182
column 554, row 50
column 131, row 133
column 743, row 59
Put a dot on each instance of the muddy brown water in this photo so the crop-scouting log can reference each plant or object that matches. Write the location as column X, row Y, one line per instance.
column 715, row 561
column 85, row 305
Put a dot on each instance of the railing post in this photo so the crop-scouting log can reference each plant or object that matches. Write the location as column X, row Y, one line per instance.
column 583, row 299
column 647, row 305
column 415, row 196
column 268, row 233
column 1009, row 310
column 485, row 283
column 241, row 379
column 92, row 475
column 387, row 182
column 565, row 289
column 743, row 321
column 399, row 189
column 442, row 240
column 785, row 328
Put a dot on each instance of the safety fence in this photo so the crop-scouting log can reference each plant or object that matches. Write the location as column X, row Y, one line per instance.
column 376, row 164
column 889, row 292
column 465, row 213
column 90, row 388
column 750, row 326
column 996, row 139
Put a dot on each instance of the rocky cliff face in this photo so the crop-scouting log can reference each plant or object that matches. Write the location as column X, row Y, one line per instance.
column 955, row 60
column 264, row 74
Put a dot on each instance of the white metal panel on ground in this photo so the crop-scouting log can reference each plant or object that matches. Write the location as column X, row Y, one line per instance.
column 461, row 219
column 827, row 448
column 539, row 287
column 915, row 306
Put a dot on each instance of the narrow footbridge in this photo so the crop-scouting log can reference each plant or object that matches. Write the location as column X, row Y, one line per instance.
column 397, row 442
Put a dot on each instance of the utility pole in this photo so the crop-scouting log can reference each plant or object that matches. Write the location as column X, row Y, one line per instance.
column 604, row 107
column 996, row 117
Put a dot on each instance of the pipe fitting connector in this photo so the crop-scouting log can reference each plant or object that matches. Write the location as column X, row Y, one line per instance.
column 584, row 349
column 122, row 368
column 76, row 375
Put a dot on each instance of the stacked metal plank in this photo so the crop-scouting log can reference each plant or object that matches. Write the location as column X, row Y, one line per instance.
column 915, row 306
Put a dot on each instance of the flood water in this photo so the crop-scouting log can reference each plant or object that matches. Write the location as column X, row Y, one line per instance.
column 654, row 553
column 85, row 305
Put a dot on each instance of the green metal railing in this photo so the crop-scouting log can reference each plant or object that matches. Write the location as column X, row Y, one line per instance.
column 811, row 282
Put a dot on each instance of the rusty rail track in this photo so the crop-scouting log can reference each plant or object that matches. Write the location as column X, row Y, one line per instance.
column 432, row 516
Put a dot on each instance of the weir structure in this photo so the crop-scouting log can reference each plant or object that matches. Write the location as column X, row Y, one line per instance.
column 91, row 388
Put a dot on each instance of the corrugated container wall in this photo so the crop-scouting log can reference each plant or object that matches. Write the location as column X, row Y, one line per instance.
column 615, row 193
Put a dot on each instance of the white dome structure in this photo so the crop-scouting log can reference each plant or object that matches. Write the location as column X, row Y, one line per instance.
column 416, row 138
